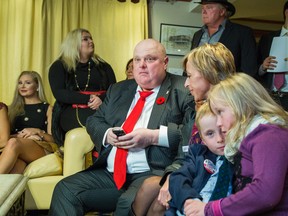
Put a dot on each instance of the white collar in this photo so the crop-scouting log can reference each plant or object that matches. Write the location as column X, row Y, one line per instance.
column 283, row 31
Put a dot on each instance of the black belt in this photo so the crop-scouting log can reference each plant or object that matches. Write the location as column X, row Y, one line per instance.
column 279, row 94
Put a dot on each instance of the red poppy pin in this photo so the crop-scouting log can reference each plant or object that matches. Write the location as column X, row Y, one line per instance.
column 160, row 100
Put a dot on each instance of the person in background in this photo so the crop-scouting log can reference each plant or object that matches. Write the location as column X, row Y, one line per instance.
column 237, row 38
column 256, row 131
column 151, row 143
column 205, row 66
column 129, row 69
column 199, row 175
column 4, row 125
column 277, row 87
column 30, row 120
column 78, row 79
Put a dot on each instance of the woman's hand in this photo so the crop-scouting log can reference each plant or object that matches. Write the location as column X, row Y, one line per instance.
column 35, row 137
column 164, row 196
column 94, row 102
column 27, row 132
column 194, row 207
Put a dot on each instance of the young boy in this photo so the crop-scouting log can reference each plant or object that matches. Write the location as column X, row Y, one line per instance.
column 197, row 178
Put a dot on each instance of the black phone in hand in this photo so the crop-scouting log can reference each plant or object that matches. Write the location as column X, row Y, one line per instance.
column 118, row 132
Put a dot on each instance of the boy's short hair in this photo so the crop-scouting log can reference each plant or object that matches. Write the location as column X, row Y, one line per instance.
column 204, row 110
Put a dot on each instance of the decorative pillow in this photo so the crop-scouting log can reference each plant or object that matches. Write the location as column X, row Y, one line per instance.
column 48, row 165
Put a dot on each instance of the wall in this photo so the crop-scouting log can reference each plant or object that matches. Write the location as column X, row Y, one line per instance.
column 178, row 14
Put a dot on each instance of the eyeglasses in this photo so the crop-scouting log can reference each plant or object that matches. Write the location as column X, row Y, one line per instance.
column 148, row 60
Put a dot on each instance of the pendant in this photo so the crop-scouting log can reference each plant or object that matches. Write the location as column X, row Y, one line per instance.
column 209, row 166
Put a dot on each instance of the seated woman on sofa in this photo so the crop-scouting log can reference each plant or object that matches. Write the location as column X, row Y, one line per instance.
column 30, row 120
column 4, row 125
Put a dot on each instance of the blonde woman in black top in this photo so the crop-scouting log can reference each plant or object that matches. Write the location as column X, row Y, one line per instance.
column 30, row 120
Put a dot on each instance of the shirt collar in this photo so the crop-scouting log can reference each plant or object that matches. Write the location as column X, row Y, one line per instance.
column 283, row 31
column 221, row 26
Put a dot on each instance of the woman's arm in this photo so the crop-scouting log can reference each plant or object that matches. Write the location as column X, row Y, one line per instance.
column 4, row 125
column 57, row 79
column 48, row 136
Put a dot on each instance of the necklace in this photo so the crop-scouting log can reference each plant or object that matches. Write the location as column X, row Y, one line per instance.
column 88, row 78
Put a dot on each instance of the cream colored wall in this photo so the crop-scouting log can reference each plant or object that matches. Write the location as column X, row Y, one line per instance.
column 178, row 14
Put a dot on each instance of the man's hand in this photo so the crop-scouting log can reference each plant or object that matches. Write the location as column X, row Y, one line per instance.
column 137, row 139
column 194, row 207
column 112, row 138
column 269, row 63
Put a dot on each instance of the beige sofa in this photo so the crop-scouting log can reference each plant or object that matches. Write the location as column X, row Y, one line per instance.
column 39, row 189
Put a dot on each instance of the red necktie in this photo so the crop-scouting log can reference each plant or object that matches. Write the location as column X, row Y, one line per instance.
column 279, row 80
column 121, row 154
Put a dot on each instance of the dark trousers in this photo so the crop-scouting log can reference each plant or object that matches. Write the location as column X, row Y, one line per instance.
column 94, row 190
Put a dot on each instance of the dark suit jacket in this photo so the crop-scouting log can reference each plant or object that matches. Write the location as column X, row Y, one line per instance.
column 185, row 131
column 174, row 112
column 263, row 52
column 240, row 41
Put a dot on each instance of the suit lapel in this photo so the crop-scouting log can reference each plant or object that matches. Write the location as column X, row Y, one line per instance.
column 158, row 109
column 225, row 35
column 197, row 39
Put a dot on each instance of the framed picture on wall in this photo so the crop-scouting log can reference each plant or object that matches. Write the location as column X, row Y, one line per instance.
column 177, row 39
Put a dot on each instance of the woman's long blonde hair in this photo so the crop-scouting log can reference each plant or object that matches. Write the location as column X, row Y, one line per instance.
column 70, row 50
column 247, row 98
column 16, row 108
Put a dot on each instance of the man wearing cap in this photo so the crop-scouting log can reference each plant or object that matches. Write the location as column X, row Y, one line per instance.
column 275, row 83
column 237, row 38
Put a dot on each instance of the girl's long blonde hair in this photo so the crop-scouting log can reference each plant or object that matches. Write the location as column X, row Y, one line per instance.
column 247, row 98
column 16, row 108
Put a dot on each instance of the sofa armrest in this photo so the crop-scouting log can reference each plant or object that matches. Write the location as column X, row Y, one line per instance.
column 76, row 145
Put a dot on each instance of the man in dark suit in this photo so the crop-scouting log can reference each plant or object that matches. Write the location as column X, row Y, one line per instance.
column 237, row 38
column 269, row 62
column 152, row 145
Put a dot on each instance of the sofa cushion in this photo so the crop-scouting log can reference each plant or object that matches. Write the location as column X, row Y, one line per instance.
column 48, row 165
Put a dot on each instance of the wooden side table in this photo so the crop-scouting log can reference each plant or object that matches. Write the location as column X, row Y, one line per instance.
column 12, row 194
